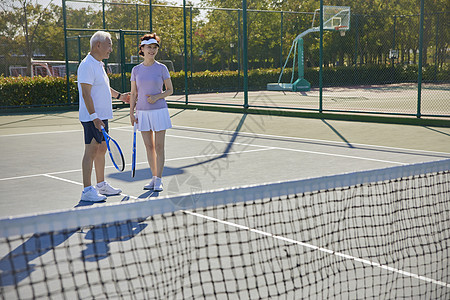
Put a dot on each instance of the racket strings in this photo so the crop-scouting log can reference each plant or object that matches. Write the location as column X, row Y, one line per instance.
column 117, row 155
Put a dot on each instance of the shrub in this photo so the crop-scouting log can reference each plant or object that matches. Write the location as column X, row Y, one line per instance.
column 36, row 91
column 41, row 91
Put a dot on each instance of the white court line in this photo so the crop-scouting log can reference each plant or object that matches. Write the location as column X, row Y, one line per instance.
column 298, row 150
column 325, row 250
column 62, row 131
column 127, row 128
column 262, row 148
column 37, row 133
column 140, row 163
column 62, row 179
column 293, row 150
column 306, row 139
column 216, row 154
column 208, row 130
column 79, row 183
column 238, row 152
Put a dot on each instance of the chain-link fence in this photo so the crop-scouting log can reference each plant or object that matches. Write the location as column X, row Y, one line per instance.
column 374, row 68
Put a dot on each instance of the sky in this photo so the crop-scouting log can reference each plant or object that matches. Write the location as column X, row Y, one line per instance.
column 80, row 5
column 59, row 2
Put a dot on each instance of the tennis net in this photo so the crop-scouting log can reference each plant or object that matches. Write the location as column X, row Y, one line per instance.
column 379, row 234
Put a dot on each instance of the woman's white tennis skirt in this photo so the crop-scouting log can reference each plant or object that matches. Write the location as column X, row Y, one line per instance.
column 153, row 120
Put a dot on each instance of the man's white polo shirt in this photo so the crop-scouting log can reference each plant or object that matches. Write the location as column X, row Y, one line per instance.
column 91, row 71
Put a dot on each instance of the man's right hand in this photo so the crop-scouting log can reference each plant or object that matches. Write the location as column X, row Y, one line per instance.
column 98, row 124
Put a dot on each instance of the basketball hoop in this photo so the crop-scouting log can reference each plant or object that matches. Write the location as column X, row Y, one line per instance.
column 341, row 29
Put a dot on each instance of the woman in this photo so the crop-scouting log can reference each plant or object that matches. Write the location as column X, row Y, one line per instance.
column 152, row 114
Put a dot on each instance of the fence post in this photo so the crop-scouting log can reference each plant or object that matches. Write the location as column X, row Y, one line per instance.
column 150, row 15
column 190, row 37
column 355, row 21
column 66, row 51
column 122, row 59
column 436, row 50
column 137, row 28
column 281, row 40
column 79, row 48
column 393, row 39
column 419, row 77
column 320, row 58
column 137, row 16
column 239, row 51
column 103, row 14
column 186, row 92
column 245, row 57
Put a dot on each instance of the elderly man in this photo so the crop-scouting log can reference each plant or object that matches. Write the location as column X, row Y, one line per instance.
column 94, row 111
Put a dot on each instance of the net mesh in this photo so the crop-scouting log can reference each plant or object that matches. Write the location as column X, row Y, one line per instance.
column 386, row 237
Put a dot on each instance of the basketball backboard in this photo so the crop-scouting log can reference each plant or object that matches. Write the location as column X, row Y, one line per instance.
column 334, row 18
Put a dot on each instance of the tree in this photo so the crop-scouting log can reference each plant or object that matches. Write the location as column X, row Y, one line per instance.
column 27, row 27
column 22, row 20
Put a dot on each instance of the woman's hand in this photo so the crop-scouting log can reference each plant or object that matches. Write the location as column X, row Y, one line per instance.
column 133, row 119
column 152, row 98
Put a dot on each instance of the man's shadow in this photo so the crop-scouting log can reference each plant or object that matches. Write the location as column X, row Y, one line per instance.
column 102, row 237
column 17, row 264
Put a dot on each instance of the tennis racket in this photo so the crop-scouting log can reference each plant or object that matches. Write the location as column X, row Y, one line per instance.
column 133, row 157
column 114, row 151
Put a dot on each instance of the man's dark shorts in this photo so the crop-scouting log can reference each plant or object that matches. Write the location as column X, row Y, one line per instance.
column 91, row 132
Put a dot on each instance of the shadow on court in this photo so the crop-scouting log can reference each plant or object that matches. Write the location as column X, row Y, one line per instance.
column 17, row 264
column 145, row 173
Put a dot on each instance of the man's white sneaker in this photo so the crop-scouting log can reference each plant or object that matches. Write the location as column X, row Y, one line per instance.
column 92, row 195
column 105, row 189
column 149, row 186
column 158, row 185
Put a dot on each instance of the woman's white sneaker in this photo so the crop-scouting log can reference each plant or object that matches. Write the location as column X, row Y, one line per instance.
column 91, row 194
column 158, row 185
column 151, row 185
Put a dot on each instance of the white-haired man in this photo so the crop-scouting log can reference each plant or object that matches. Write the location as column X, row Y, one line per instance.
column 94, row 112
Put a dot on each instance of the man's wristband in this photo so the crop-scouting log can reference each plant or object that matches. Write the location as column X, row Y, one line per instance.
column 93, row 116
column 119, row 95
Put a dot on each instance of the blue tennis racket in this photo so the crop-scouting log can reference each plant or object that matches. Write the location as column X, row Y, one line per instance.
column 133, row 157
column 114, row 151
